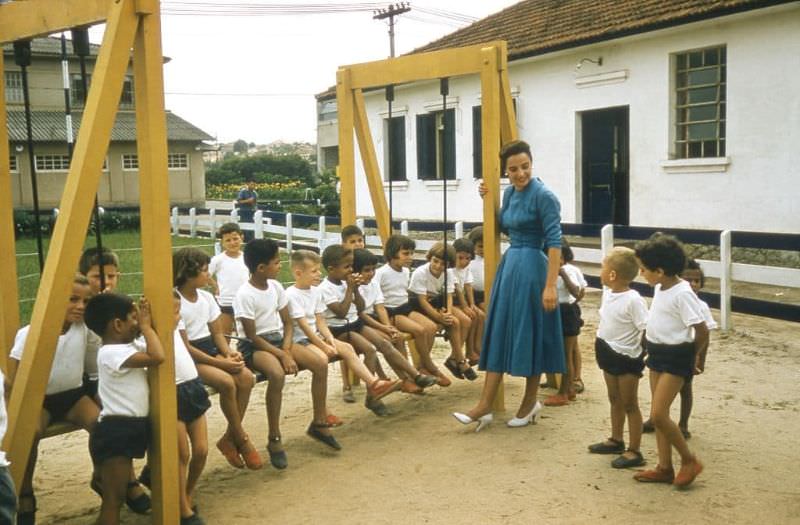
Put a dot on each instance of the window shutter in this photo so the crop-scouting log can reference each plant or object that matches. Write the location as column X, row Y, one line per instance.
column 426, row 146
column 477, row 151
column 398, row 148
column 449, row 144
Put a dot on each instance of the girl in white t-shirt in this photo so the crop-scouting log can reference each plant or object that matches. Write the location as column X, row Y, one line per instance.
column 228, row 272
column 465, row 298
column 65, row 398
column 619, row 353
column 219, row 366
column 676, row 333
column 476, row 265
column 429, row 297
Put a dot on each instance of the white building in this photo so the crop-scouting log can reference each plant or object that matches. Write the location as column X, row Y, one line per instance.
column 679, row 114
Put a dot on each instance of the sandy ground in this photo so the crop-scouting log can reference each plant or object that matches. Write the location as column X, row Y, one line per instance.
column 420, row 465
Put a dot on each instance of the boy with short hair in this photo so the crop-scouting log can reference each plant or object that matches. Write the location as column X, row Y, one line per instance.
column 352, row 237
column 228, row 272
column 465, row 294
column 475, row 236
column 123, row 428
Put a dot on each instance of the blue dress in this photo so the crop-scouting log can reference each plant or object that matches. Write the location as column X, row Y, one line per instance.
column 520, row 338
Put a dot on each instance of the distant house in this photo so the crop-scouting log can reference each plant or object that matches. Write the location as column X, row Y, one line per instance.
column 119, row 185
column 675, row 114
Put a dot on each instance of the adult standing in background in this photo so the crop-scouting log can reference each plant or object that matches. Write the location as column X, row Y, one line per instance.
column 246, row 202
column 523, row 335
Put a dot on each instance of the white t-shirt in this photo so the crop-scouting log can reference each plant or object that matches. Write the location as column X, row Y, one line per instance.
column 711, row 324
column 372, row 295
column 576, row 276
column 623, row 318
column 304, row 304
column 196, row 315
column 123, row 391
column 93, row 344
column 262, row 306
column 230, row 273
column 672, row 314
column 394, row 285
column 463, row 276
column 424, row 283
column 476, row 267
column 67, row 370
column 3, row 420
column 335, row 293
column 185, row 369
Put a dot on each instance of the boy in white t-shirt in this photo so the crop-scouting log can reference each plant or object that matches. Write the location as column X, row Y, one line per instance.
column 262, row 315
column 429, row 297
column 676, row 335
column 123, row 428
column 619, row 353
column 465, row 295
column 476, row 265
column 228, row 272
column 308, row 310
column 65, row 398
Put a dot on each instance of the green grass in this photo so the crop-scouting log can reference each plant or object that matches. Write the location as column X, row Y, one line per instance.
column 126, row 244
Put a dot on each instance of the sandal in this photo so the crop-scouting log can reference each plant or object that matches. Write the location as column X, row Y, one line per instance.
column 623, row 462
column 314, row 433
column 141, row 504
column 277, row 459
column 347, row 395
column 228, row 449
column 609, row 446
column 451, row 364
column 250, row 455
column 468, row 372
column 377, row 407
column 26, row 509
column 579, row 386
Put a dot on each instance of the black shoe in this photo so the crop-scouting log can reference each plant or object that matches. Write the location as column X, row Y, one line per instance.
column 313, row 432
column 277, row 459
column 648, row 427
column 194, row 519
column 452, row 365
column 424, row 381
column 140, row 504
column 609, row 446
column 623, row 462
column 470, row 374
column 377, row 407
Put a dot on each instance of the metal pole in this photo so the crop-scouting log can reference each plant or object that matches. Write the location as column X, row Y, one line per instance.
column 444, row 88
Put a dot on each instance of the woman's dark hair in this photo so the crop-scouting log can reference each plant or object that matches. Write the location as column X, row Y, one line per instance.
column 692, row 264
column 464, row 245
column 187, row 263
column 333, row 255
column 566, row 251
column 662, row 251
column 362, row 258
column 259, row 251
column 104, row 308
column 395, row 243
column 515, row 147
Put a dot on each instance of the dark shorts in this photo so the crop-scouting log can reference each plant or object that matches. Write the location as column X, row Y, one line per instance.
column 192, row 400
column 614, row 363
column 571, row 321
column 207, row 345
column 303, row 342
column 90, row 387
column 8, row 497
column 479, row 296
column 437, row 302
column 247, row 348
column 403, row 309
column 355, row 326
column 119, row 436
column 57, row 405
column 677, row 360
column 226, row 310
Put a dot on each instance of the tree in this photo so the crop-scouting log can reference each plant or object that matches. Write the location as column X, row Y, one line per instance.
column 261, row 168
column 240, row 146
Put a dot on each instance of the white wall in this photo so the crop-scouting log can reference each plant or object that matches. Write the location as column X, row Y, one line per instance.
column 757, row 191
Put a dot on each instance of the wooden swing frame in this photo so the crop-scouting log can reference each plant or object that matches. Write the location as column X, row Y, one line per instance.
column 498, row 126
column 131, row 24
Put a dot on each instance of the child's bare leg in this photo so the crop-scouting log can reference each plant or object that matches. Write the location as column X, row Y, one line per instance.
column 227, row 323
column 664, row 389
column 686, row 407
column 465, row 324
column 420, row 332
column 367, row 350
column 490, row 384
column 198, row 437
column 183, row 467
column 396, row 360
column 346, row 386
column 629, row 400
column 271, row 367
column 114, row 473
column 245, row 381
column 456, row 343
column 225, row 385
column 566, row 380
column 617, row 407
column 577, row 363
column 314, row 360
column 430, row 327
column 348, row 355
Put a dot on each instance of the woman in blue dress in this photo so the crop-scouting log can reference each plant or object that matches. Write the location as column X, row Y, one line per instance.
column 523, row 335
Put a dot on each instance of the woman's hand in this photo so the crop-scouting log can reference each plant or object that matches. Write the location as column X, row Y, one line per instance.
column 549, row 298
column 482, row 188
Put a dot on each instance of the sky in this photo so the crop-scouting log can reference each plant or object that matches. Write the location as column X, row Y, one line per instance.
column 254, row 77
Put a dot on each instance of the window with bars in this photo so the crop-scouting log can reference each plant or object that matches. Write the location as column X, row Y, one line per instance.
column 177, row 161
column 77, row 95
column 395, row 164
column 130, row 161
column 700, row 103
column 12, row 163
column 13, row 80
column 436, row 145
column 52, row 162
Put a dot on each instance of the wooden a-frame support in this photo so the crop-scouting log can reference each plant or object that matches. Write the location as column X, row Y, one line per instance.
column 130, row 24
column 498, row 125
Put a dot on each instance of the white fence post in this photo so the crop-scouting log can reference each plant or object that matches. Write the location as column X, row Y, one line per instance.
column 322, row 232
column 235, row 216
column 192, row 222
column 725, row 287
column 404, row 228
column 55, row 213
column 258, row 224
column 360, row 224
column 176, row 225
column 606, row 239
column 459, row 229
column 217, row 247
column 289, row 232
column 212, row 217
column 101, row 210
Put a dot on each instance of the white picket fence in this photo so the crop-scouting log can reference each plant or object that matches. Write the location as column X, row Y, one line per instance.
column 725, row 270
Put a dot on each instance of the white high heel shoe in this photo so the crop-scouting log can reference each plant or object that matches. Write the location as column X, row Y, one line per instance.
column 482, row 421
column 530, row 419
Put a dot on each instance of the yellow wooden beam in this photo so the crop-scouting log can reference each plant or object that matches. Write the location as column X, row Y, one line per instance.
column 151, row 136
column 419, row 66
column 347, row 163
column 9, row 290
column 67, row 241
column 371, row 167
column 32, row 18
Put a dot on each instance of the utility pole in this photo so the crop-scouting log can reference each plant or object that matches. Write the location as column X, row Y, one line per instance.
column 391, row 12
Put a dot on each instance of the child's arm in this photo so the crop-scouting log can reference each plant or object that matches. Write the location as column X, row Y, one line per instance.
column 700, row 346
column 231, row 366
column 470, row 293
column 381, row 324
column 357, row 299
column 575, row 290
column 154, row 353
column 287, row 361
column 215, row 327
column 432, row 313
column 341, row 308
column 325, row 332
